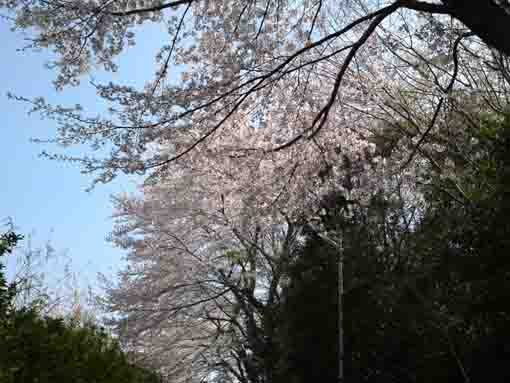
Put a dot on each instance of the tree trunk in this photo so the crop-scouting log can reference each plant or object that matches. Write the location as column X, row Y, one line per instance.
column 485, row 18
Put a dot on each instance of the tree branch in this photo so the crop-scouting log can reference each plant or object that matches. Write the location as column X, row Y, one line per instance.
column 155, row 8
column 422, row 6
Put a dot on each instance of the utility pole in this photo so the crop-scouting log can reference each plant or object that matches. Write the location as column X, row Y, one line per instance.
column 340, row 313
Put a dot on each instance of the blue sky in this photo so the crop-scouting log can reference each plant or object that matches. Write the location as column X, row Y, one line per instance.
column 49, row 197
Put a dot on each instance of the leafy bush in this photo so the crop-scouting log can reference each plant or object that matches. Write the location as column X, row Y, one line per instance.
column 43, row 349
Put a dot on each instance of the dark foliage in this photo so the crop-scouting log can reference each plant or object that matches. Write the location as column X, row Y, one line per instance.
column 427, row 301
column 52, row 350
column 308, row 322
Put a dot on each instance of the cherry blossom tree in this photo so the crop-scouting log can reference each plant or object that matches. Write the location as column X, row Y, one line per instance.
column 277, row 103
column 281, row 69
column 199, row 294
column 273, row 94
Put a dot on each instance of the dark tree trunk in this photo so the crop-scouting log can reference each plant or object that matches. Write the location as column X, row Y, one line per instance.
column 486, row 19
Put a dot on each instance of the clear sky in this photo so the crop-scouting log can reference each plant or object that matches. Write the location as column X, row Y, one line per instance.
column 49, row 197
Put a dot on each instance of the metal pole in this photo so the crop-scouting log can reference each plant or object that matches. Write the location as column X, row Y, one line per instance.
column 340, row 314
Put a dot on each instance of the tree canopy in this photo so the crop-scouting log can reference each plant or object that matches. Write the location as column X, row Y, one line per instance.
column 269, row 126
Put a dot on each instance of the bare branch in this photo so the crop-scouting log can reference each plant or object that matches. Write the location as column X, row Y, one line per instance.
column 163, row 6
